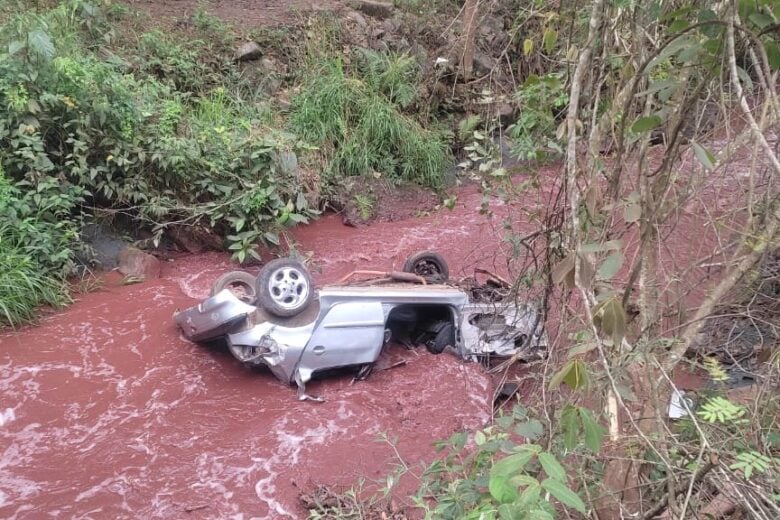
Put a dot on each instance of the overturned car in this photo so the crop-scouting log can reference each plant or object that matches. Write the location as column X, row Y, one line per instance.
column 278, row 320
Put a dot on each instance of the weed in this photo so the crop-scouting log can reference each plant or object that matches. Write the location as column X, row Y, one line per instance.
column 365, row 205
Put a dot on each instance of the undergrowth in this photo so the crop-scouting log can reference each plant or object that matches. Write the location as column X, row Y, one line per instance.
column 356, row 115
column 101, row 118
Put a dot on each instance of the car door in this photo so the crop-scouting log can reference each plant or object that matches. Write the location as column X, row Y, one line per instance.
column 351, row 333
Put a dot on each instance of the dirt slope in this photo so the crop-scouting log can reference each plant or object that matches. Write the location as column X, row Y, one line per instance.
column 244, row 13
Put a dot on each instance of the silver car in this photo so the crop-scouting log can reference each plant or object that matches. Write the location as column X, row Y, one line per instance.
column 278, row 320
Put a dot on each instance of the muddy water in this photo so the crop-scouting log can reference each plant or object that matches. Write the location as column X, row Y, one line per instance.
column 106, row 412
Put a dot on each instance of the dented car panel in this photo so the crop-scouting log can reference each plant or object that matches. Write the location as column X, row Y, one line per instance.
column 501, row 329
column 354, row 323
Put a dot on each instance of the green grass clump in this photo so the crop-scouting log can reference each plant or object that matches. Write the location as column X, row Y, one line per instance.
column 357, row 118
column 24, row 284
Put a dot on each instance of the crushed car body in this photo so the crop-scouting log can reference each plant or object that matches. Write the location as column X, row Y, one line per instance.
column 273, row 324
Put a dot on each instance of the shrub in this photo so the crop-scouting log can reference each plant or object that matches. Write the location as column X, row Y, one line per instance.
column 541, row 100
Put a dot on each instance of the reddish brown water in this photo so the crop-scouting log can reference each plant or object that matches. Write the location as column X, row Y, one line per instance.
column 107, row 412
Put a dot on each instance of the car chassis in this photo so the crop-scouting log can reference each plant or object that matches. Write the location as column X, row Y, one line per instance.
column 350, row 324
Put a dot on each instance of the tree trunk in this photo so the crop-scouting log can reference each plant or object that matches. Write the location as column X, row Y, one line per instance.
column 469, row 32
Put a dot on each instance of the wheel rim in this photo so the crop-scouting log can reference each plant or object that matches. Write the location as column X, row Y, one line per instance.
column 426, row 268
column 242, row 291
column 288, row 288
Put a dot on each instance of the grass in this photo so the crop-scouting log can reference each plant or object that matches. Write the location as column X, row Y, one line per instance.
column 24, row 286
column 356, row 117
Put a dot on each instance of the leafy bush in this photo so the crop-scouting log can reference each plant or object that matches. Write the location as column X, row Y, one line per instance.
column 356, row 117
column 502, row 476
column 26, row 283
column 540, row 100
column 148, row 133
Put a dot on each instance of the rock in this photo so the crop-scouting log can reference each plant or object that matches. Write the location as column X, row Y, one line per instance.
column 358, row 18
column 375, row 9
column 248, row 52
column 195, row 239
column 134, row 262
column 419, row 53
column 288, row 162
column 483, row 64
column 491, row 25
column 104, row 247
column 391, row 26
column 506, row 114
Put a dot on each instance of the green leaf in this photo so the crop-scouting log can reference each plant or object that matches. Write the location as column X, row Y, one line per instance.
column 531, row 429
column 678, row 25
column 645, row 124
column 564, row 495
column 40, row 43
column 704, row 156
column 511, row 464
column 610, row 317
column 761, row 20
column 594, row 432
column 560, row 375
column 611, row 266
column 530, row 496
column 272, row 238
column 502, row 489
column 773, row 55
column 573, row 374
column 15, row 46
column 528, row 46
column 539, row 514
column 549, row 39
column 571, row 426
column 552, row 467
column 479, row 438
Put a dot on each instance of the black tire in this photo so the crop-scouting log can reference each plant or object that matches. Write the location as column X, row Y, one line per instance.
column 429, row 265
column 444, row 338
column 240, row 283
column 284, row 287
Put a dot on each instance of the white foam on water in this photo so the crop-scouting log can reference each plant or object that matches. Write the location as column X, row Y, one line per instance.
column 7, row 416
column 287, row 453
column 198, row 285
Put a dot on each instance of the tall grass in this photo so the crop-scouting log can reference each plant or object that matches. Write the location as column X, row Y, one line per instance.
column 356, row 117
column 24, row 285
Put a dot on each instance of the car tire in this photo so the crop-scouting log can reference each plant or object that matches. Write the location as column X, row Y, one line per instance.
column 428, row 265
column 284, row 287
column 444, row 338
column 240, row 283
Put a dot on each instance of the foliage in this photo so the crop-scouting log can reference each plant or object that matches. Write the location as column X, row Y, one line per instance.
column 541, row 100
column 146, row 131
column 504, row 474
column 356, row 116
column 26, row 283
